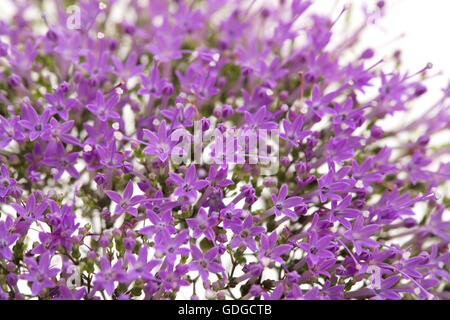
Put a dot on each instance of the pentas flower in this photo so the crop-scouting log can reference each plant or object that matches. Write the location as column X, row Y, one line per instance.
column 172, row 277
column 127, row 202
column 31, row 211
column 293, row 132
column 188, row 186
column 6, row 182
column 245, row 234
column 161, row 226
column 203, row 224
column 40, row 274
column 10, row 130
column 141, row 267
column 61, row 162
column 205, row 263
column 6, row 240
column 359, row 234
column 282, row 205
column 152, row 85
column 160, row 143
column 59, row 104
column 129, row 69
column 105, row 279
column 103, row 108
column 270, row 250
column 34, row 123
column 172, row 246
column 56, row 132
column 318, row 248
column 318, row 103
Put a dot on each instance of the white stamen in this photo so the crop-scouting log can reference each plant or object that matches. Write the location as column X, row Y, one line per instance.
column 441, row 264
column 210, row 294
column 87, row 148
column 359, row 184
column 102, row 5
column 417, row 291
column 406, row 255
column 119, row 91
column 54, row 171
column 116, row 126
column 212, row 64
column 304, row 109
column 284, row 107
column 436, row 194
column 269, row 92
column 118, row 135
column 155, row 122
column 100, row 35
column 216, row 57
column 366, row 213
column 265, row 261
column 158, row 21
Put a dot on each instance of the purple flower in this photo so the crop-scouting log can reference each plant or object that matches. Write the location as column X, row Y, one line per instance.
column 230, row 216
column 34, row 123
column 141, row 268
column 161, row 143
column 318, row 248
column 161, row 225
column 105, row 278
column 188, row 186
column 127, row 202
column 319, row 104
column 6, row 240
column 293, row 132
column 205, row 264
column 153, row 85
column 283, row 205
column 270, row 250
column 67, row 294
column 359, row 234
column 40, row 274
column 172, row 278
column 59, row 104
column 61, row 161
column 6, row 182
column 172, row 247
column 202, row 224
column 129, row 69
column 31, row 211
column 102, row 108
column 245, row 233
column 341, row 212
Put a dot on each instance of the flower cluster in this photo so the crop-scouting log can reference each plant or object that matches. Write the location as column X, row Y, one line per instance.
column 93, row 204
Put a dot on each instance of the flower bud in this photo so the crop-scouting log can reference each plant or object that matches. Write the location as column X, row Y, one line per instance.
column 410, row 222
column 376, row 132
column 129, row 243
column 227, row 111
column 14, row 80
column 51, row 35
column 103, row 241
